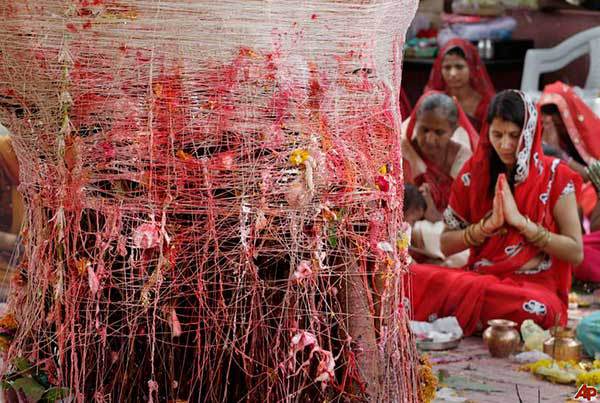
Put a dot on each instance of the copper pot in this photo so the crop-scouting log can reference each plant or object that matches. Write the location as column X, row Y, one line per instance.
column 563, row 345
column 501, row 337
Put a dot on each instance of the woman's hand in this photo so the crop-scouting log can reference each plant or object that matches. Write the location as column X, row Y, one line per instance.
column 512, row 215
column 496, row 220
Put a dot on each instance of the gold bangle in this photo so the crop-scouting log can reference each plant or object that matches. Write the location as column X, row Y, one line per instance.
column 540, row 235
column 537, row 236
column 471, row 236
column 542, row 243
column 483, row 231
column 466, row 237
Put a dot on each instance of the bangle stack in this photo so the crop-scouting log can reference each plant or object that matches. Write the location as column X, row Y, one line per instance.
column 483, row 231
column 541, row 238
column 469, row 238
column 469, row 234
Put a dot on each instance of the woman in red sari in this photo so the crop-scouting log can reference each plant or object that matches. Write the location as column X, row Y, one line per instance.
column 523, row 232
column 437, row 140
column 459, row 72
column 571, row 127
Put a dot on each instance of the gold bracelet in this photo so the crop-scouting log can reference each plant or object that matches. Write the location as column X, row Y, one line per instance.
column 541, row 237
column 470, row 236
column 466, row 237
column 483, row 231
column 542, row 243
column 538, row 236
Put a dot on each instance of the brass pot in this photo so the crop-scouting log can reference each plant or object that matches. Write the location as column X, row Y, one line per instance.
column 501, row 337
column 563, row 345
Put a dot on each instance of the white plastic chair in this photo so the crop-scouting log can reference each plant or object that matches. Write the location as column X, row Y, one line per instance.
column 538, row 61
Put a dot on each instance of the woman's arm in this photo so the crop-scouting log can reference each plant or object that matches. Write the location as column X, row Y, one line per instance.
column 567, row 244
column 577, row 167
column 454, row 241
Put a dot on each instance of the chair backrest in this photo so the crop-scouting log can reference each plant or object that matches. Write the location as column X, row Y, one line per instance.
column 538, row 61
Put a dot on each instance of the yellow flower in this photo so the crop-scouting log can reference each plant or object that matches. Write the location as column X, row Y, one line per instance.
column 403, row 242
column 383, row 170
column 8, row 322
column 158, row 88
column 589, row 378
column 298, row 156
column 182, row 155
column 428, row 382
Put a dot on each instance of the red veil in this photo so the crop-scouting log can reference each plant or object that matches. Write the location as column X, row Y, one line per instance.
column 478, row 76
column 439, row 182
column 405, row 107
column 539, row 183
column 581, row 122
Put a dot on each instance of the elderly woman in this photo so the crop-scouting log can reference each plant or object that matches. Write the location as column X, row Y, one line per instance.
column 516, row 210
column 459, row 72
column 437, row 139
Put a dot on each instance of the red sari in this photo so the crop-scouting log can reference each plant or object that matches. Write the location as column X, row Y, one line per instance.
column 439, row 181
column 478, row 77
column 493, row 285
column 582, row 126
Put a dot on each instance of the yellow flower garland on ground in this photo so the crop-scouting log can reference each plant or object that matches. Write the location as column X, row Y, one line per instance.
column 427, row 380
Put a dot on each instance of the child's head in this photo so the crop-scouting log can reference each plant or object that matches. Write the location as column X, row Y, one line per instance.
column 414, row 204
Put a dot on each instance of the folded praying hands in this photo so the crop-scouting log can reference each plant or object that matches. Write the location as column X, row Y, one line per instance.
column 504, row 210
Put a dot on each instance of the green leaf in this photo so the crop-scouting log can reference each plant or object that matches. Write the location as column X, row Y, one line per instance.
column 33, row 390
column 54, row 394
column 442, row 375
column 332, row 239
column 22, row 364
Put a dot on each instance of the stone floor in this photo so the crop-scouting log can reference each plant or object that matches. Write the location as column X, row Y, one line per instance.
column 477, row 377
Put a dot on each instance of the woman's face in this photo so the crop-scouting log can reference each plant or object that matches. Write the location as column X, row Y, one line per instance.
column 433, row 133
column 455, row 71
column 505, row 136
